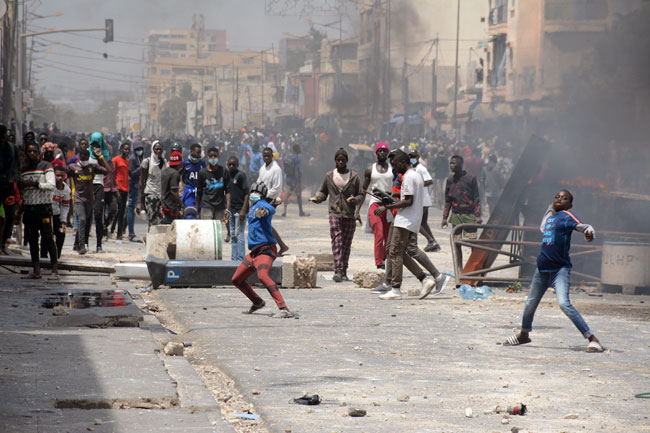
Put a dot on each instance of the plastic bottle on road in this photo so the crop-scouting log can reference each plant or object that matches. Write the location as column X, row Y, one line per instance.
column 470, row 292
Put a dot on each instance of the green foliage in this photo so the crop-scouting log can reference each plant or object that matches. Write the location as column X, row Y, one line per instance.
column 514, row 287
column 173, row 113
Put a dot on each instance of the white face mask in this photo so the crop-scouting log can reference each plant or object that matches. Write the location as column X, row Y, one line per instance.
column 84, row 163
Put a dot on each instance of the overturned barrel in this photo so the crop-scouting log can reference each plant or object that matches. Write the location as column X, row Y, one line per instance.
column 196, row 240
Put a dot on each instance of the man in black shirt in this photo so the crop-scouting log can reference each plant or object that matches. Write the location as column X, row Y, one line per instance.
column 239, row 207
column 213, row 189
column 170, row 178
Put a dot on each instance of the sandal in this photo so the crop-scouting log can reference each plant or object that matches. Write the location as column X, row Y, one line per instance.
column 31, row 276
column 595, row 347
column 513, row 340
column 53, row 277
column 255, row 307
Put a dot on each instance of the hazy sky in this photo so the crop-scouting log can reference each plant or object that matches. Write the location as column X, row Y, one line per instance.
column 79, row 63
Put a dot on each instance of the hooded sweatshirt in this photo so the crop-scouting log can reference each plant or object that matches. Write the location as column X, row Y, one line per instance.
column 154, row 166
column 134, row 165
column 98, row 137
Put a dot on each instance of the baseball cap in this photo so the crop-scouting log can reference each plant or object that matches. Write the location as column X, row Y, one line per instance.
column 175, row 158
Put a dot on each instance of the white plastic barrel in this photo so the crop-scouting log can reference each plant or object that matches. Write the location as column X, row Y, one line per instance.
column 197, row 239
column 626, row 263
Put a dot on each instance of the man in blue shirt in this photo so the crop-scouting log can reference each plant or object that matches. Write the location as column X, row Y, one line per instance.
column 263, row 251
column 190, row 174
column 257, row 160
column 554, row 268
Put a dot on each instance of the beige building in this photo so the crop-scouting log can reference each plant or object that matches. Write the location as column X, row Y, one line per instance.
column 533, row 44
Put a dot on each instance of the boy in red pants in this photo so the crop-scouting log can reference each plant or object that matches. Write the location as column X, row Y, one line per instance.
column 263, row 251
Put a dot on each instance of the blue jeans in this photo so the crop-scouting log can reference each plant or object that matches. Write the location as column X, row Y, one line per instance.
column 130, row 212
column 238, row 243
column 560, row 280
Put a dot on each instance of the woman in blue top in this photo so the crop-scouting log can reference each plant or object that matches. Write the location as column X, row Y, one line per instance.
column 554, row 269
column 263, row 251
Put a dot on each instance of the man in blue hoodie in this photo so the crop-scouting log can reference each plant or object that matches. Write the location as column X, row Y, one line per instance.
column 263, row 251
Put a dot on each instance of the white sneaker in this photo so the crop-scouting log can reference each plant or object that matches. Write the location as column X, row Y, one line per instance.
column 441, row 283
column 381, row 289
column 394, row 294
column 427, row 285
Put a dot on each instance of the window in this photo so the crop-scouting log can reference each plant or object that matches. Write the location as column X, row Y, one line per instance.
column 153, row 70
column 498, row 12
column 212, row 47
column 247, row 60
column 497, row 71
column 575, row 10
column 165, row 72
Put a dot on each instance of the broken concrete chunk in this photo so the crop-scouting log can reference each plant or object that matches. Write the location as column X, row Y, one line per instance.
column 368, row 279
column 174, row 349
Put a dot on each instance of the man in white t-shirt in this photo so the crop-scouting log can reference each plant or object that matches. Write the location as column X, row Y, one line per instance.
column 406, row 225
column 425, row 230
column 271, row 175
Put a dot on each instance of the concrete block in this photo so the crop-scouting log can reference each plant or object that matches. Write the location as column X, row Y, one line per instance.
column 192, row 393
column 305, row 273
column 368, row 279
column 324, row 262
column 288, row 279
column 132, row 270
column 157, row 245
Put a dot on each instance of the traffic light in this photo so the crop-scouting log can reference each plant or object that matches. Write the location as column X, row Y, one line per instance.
column 109, row 30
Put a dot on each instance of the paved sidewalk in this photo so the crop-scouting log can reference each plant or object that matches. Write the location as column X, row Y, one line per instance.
column 58, row 376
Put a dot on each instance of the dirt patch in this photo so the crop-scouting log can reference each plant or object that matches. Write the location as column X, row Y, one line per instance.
column 146, row 403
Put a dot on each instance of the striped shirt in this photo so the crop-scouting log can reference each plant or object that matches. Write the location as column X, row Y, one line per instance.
column 43, row 173
column 61, row 199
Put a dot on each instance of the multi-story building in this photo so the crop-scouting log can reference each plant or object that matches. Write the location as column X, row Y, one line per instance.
column 534, row 44
column 186, row 43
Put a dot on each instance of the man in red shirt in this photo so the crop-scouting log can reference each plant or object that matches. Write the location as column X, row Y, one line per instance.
column 121, row 163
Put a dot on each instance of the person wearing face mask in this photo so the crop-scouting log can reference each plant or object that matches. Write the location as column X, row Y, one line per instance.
column 190, row 175
column 213, row 190
column 343, row 187
column 263, row 251
column 149, row 186
column 135, row 160
column 83, row 173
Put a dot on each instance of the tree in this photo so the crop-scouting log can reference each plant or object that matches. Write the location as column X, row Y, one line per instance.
column 173, row 114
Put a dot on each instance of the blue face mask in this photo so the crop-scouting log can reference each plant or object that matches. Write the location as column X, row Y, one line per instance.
column 213, row 161
column 255, row 197
column 139, row 152
column 414, row 161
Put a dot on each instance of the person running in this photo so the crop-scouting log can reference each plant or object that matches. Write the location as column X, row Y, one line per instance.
column 343, row 187
column 263, row 252
column 83, row 173
column 110, row 201
column 379, row 176
column 37, row 183
column 271, row 175
column 554, row 269
column 171, row 204
column 406, row 225
column 213, row 190
column 425, row 230
column 121, row 164
column 239, row 195
column 463, row 200
column 190, row 174
column 61, row 199
column 135, row 161
column 97, row 142
column 293, row 180
column 149, row 185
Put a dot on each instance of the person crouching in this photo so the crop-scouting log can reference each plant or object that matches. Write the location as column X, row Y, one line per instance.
column 263, row 251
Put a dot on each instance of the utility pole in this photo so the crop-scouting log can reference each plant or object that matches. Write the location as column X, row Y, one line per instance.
column 262, row 82
column 456, row 71
column 405, row 99
column 237, row 92
column 388, row 76
column 232, row 82
column 434, row 83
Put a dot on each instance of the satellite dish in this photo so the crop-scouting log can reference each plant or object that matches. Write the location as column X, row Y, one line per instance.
column 3, row 8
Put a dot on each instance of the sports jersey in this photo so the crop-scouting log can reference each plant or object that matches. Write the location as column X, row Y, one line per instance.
column 556, row 241
column 191, row 172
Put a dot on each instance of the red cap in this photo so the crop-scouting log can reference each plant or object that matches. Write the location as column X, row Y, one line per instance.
column 176, row 158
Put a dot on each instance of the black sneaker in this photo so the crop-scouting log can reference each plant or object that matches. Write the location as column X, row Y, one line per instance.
column 382, row 267
column 99, row 250
column 344, row 276
column 337, row 277
column 436, row 247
